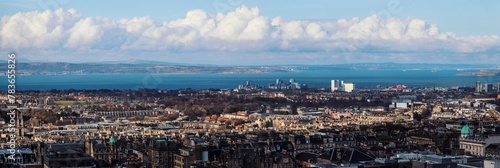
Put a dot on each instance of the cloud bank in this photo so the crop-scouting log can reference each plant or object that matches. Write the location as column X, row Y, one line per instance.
column 244, row 29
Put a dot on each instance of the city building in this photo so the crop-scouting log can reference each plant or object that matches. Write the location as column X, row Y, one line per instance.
column 476, row 144
column 98, row 149
column 488, row 87
column 493, row 150
column 492, row 163
column 291, row 85
column 339, row 85
column 498, row 87
column 184, row 158
column 401, row 103
column 249, row 86
column 22, row 156
column 161, row 153
column 349, row 86
column 430, row 161
column 479, row 87
column 67, row 155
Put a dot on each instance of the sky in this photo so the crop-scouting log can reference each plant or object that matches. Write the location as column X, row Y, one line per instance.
column 253, row 32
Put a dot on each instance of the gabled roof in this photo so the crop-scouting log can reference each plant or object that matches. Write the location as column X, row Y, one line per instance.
column 348, row 154
column 306, row 157
column 355, row 155
column 493, row 147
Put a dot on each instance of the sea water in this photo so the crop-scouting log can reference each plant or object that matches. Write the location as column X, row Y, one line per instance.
column 313, row 78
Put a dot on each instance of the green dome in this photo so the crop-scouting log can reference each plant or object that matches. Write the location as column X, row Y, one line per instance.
column 112, row 140
column 466, row 130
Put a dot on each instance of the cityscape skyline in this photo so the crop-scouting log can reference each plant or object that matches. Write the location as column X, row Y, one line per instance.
column 252, row 32
column 251, row 84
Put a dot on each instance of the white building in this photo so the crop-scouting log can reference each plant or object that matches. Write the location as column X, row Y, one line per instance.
column 349, row 86
column 338, row 85
column 492, row 163
column 476, row 145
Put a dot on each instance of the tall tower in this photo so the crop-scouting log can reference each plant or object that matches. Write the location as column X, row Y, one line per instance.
column 333, row 86
column 498, row 87
column 488, row 87
column 20, row 123
column 479, row 87
column 337, row 85
column 279, row 82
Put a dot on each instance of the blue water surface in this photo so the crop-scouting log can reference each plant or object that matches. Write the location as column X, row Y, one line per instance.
column 313, row 78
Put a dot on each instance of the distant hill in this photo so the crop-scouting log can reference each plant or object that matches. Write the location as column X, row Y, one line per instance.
column 138, row 62
column 22, row 60
column 414, row 66
column 25, row 66
column 480, row 73
column 142, row 67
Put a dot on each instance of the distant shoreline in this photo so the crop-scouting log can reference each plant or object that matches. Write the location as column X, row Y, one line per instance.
column 62, row 68
column 314, row 78
column 480, row 73
column 166, row 73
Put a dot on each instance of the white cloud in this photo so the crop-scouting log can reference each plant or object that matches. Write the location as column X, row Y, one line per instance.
column 84, row 33
column 45, row 30
column 244, row 29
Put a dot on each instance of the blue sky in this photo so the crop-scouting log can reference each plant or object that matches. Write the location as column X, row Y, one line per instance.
column 254, row 31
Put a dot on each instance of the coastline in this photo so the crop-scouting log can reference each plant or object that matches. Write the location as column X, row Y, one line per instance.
column 480, row 73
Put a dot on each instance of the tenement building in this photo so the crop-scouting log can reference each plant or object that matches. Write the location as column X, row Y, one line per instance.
column 476, row 145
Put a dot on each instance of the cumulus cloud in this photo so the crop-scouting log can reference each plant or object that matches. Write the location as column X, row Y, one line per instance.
column 244, row 29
